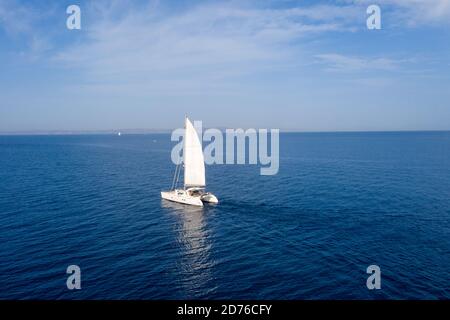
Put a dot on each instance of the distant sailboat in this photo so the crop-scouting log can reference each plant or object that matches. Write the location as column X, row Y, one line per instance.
column 119, row 133
column 193, row 192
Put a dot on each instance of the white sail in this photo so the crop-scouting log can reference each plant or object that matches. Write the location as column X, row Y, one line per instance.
column 194, row 164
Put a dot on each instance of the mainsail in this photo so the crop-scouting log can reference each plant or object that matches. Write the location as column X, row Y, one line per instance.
column 194, row 164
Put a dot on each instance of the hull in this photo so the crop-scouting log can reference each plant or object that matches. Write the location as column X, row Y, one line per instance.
column 181, row 196
column 209, row 197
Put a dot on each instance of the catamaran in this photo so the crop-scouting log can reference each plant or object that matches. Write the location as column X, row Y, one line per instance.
column 193, row 192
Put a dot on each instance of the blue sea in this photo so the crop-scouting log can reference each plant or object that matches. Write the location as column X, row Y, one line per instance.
column 340, row 202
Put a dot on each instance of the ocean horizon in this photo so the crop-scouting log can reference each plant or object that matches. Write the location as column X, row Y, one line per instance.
column 166, row 131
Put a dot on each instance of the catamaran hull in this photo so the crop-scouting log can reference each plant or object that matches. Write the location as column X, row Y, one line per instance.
column 209, row 197
column 185, row 197
column 181, row 197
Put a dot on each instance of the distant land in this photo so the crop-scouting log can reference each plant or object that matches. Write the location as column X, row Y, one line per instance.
column 85, row 132
column 167, row 131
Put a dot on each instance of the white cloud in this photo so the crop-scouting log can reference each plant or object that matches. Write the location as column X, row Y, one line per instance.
column 338, row 62
column 209, row 41
column 411, row 13
column 15, row 18
column 21, row 21
column 207, row 45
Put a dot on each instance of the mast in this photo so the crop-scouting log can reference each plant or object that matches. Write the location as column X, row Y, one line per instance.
column 176, row 176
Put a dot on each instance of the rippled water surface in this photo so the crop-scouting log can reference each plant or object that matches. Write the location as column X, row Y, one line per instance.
column 341, row 202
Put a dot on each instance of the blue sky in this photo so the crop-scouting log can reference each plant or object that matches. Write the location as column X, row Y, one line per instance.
column 294, row 65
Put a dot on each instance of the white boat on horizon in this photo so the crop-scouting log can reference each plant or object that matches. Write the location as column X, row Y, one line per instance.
column 193, row 163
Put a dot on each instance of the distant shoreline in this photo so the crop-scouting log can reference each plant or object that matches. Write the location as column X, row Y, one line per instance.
column 168, row 131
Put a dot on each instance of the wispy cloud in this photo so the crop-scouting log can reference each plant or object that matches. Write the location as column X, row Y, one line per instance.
column 411, row 13
column 15, row 18
column 21, row 21
column 345, row 63
column 214, row 40
column 207, row 41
